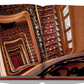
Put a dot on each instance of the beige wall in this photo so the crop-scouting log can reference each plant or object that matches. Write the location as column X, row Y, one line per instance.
column 77, row 22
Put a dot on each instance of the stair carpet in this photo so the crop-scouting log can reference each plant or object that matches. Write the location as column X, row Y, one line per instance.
column 49, row 25
column 24, row 28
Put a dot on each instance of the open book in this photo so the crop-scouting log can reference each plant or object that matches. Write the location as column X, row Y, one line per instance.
column 39, row 41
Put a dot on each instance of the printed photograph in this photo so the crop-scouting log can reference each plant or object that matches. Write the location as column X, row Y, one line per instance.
column 42, row 41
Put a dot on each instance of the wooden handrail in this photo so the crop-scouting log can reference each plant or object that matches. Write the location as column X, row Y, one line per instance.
column 17, row 17
column 41, row 67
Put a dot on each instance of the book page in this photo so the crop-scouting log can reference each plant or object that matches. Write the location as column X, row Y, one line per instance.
column 41, row 41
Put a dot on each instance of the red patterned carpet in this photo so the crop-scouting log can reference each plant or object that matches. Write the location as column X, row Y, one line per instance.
column 48, row 23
